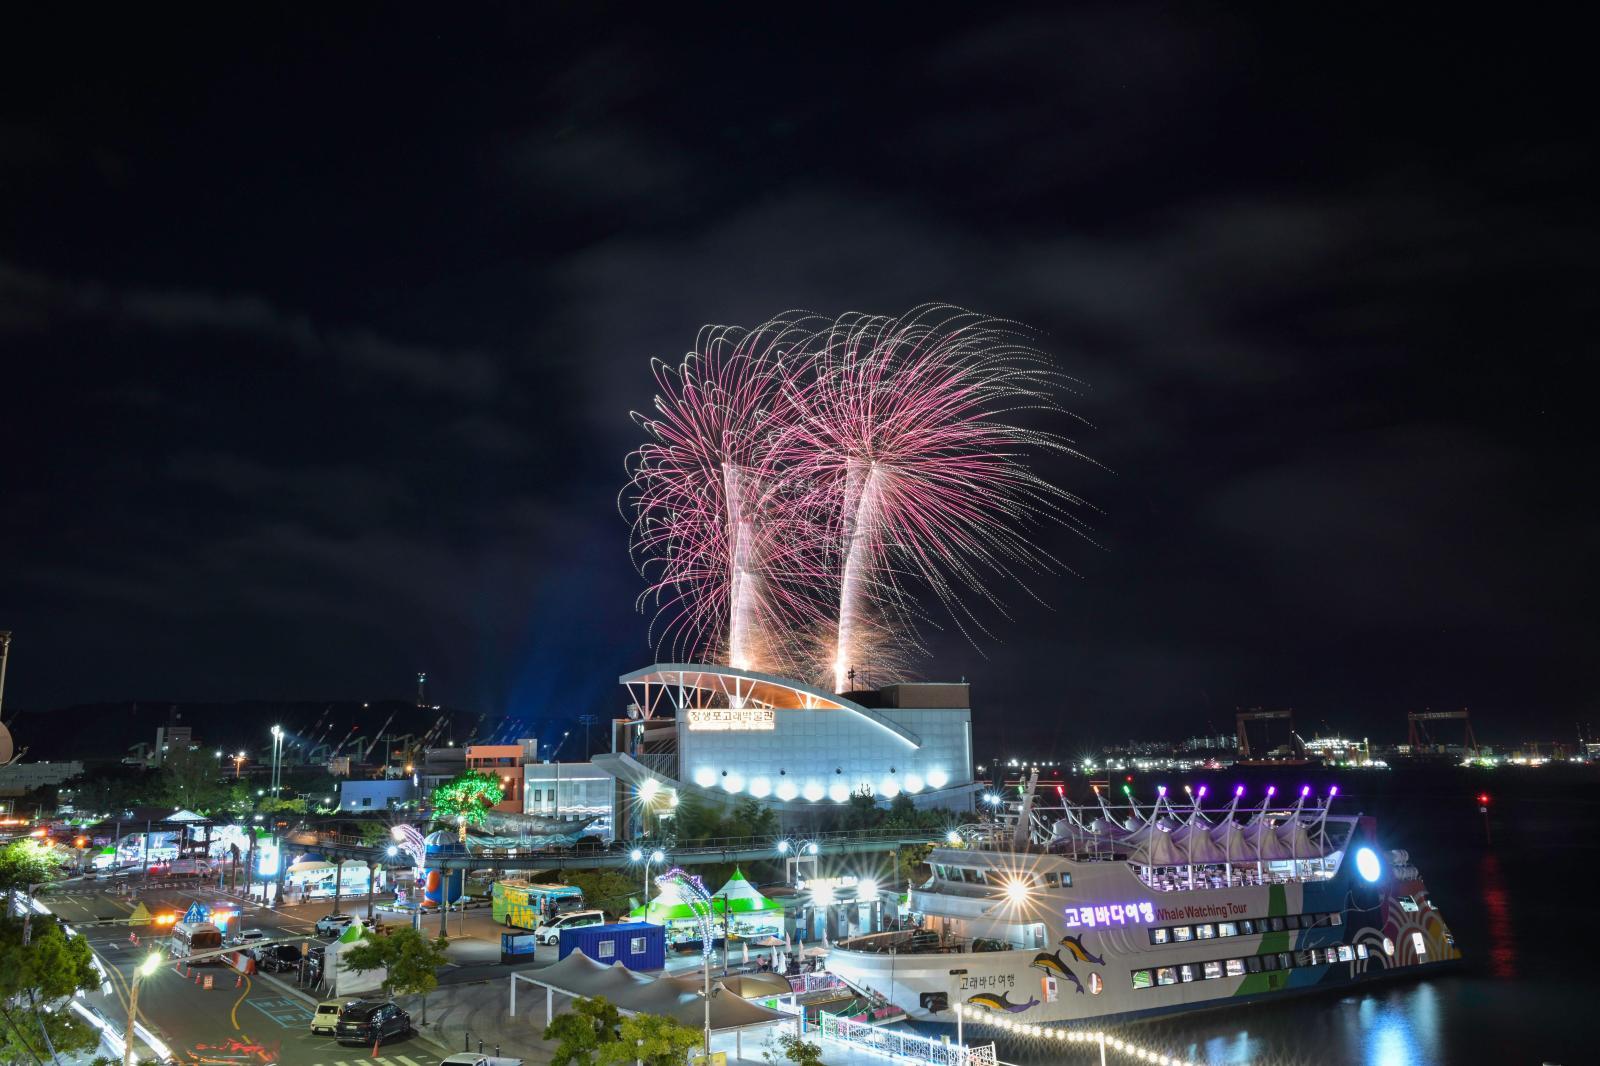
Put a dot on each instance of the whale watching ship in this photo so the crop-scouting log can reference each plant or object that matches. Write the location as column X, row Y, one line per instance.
column 1090, row 913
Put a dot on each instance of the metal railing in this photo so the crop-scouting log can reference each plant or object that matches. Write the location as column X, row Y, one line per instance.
column 897, row 1044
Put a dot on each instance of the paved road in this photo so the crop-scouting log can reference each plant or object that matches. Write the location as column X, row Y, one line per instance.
column 241, row 1019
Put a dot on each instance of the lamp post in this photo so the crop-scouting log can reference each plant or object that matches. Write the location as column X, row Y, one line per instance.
column 150, row 965
column 277, row 748
column 655, row 858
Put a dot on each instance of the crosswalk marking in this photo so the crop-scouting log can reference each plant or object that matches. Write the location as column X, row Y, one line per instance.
column 382, row 1060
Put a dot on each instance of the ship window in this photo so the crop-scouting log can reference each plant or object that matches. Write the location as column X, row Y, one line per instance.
column 1205, row 932
column 1269, row 962
column 1419, row 944
column 1361, row 951
column 1227, row 928
column 1253, row 964
column 1291, row 921
column 1166, row 976
column 1181, row 933
column 1335, row 918
column 1186, row 972
column 1235, row 967
column 1213, row 970
column 1247, row 927
column 1158, row 936
column 1275, row 924
column 1346, row 953
column 1141, row 979
column 1285, row 960
column 1306, row 958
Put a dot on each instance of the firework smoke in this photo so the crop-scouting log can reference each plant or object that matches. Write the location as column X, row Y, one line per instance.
column 799, row 474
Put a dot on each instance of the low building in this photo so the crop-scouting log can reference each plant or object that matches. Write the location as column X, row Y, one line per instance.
column 357, row 796
column 20, row 778
column 505, row 762
column 571, row 790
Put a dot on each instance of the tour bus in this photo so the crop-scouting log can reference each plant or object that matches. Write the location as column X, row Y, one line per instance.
column 189, row 938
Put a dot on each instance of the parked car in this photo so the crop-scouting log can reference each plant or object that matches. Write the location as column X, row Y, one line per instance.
column 247, row 937
column 276, row 958
column 331, row 925
column 549, row 931
column 368, row 1021
column 326, row 1017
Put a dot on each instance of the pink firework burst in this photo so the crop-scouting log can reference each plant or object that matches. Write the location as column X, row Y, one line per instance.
column 714, row 520
column 803, row 477
column 904, row 427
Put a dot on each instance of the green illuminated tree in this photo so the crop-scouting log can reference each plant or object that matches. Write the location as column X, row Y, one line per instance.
column 467, row 796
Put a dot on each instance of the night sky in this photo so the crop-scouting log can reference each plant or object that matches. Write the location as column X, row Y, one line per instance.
column 320, row 330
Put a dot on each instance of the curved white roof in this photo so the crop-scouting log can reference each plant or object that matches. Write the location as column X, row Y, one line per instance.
column 764, row 690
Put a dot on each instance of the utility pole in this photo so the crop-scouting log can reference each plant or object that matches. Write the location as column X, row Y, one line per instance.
column 5, row 653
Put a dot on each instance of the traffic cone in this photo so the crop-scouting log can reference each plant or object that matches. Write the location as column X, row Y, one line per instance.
column 238, row 982
column 375, row 1044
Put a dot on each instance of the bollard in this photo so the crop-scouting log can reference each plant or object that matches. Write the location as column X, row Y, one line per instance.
column 497, row 1051
column 466, row 1041
column 480, row 1047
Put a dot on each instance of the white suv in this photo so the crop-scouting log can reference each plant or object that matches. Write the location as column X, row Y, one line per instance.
column 550, row 932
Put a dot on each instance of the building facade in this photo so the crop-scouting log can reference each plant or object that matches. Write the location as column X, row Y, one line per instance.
column 724, row 734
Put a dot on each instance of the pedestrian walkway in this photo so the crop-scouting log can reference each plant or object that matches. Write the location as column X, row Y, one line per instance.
column 357, row 1059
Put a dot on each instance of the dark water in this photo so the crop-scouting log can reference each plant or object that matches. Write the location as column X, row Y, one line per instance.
column 1525, row 911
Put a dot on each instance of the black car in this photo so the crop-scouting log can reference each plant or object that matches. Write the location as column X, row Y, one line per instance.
column 367, row 1021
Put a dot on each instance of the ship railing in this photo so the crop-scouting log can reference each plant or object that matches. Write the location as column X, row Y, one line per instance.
column 901, row 1045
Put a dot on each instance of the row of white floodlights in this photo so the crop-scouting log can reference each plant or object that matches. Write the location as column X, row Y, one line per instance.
column 1074, row 1036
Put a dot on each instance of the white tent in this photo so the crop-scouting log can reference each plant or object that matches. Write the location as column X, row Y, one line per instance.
column 340, row 979
column 1158, row 849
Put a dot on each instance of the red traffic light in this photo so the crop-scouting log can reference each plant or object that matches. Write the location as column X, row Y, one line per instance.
column 1483, row 798
column 1129, row 779
column 1060, row 791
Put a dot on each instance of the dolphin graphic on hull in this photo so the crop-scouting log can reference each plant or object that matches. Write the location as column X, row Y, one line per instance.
column 1001, row 1002
column 1075, row 945
column 1050, row 962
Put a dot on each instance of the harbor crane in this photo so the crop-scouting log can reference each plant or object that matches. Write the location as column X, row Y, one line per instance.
column 1242, row 720
column 1417, row 731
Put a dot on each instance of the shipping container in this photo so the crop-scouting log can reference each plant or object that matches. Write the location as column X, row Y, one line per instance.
column 639, row 946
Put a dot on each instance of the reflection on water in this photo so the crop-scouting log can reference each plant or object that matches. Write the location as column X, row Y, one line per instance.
column 1497, row 909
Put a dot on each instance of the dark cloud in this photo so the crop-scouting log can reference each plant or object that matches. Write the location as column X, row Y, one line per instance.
column 319, row 350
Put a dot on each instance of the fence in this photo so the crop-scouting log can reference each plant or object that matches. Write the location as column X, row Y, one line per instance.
column 904, row 1046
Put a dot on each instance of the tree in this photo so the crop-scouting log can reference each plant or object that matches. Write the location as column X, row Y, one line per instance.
column 793, row 1048
column 411, row 959
column 581, row 1031
column 192, row 780
column 49, row 968
column 26, row 862
column 609, row 890
column 650, row 1039
column 467, row 796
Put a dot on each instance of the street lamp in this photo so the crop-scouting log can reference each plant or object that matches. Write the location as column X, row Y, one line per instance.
column 277, row 748
column 150, row 965
column 655, row 858
column 238, row 761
